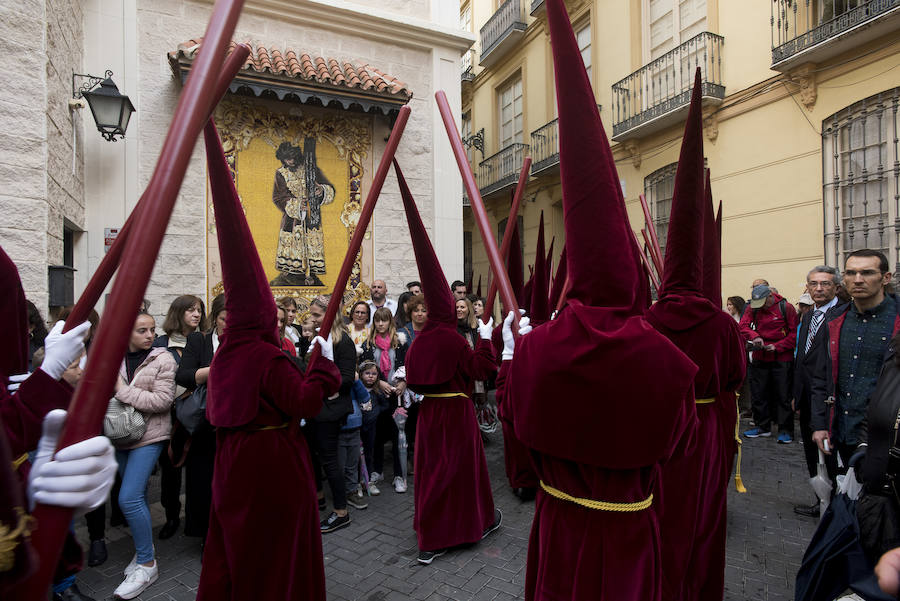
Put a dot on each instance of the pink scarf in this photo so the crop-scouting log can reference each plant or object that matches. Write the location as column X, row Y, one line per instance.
column 383, row 342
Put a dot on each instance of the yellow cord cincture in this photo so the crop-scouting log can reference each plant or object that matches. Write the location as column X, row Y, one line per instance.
column 11, row 538
column 738, row 481
column 599, row 505
column 705, row 401
column 18, row 461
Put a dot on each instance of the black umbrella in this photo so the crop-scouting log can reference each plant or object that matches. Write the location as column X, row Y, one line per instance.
column 834, row 560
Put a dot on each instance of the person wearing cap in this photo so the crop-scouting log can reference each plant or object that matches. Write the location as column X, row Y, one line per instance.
column 595, row 533
column 848, row 354
column 822, row 283
column 804, row 305
column 263, row 490
column 769, row 327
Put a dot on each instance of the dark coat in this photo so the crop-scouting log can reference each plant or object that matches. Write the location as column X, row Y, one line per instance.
column 338, row 408
column 198, row 353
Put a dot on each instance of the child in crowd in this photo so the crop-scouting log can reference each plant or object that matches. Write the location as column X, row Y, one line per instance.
column 349, row 443
column 368, row 376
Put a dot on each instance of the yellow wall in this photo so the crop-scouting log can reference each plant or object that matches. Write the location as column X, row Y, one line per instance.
column 765, row 157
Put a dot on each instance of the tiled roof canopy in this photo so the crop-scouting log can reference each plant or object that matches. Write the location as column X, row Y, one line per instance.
column 289, row 73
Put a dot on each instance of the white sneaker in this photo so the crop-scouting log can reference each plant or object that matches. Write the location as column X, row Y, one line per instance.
column 375, row 477
column 373, row 490
column 399, row 484
column 131, row 564
column 137, row 581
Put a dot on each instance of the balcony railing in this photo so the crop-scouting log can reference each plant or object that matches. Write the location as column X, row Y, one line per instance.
column 504, row 26
column 651, row 97
column 467, row 65
column 502, row 169
column 536, row 5
column 545, row 146
column 799, row 26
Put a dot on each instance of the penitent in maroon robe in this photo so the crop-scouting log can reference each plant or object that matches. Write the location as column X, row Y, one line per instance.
column 602, row 399
column 263, row 492
column 695, row 479
column 453, row 500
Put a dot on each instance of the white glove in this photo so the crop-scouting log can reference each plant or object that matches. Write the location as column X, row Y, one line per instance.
column 80, row 476
column 509, row 342
column 60, row 350
column 16, row 381
column 326, row 346
column 485, row 329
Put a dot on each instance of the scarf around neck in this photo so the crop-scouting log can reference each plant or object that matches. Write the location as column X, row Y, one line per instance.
column 383, row 342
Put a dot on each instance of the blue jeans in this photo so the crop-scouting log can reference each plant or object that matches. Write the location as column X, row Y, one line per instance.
column 135, row 466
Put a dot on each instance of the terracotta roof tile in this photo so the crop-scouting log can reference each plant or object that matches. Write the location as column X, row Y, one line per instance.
column 321, row 70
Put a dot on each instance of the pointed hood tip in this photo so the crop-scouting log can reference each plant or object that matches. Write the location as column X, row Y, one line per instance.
column 514, row 267
column 434, row 284
column 539, row 302
column 595, row 217
column 683, row 263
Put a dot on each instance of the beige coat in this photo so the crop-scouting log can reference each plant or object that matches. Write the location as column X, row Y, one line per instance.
column 152, row 392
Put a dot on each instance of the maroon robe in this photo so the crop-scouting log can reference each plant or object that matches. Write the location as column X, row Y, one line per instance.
column 453, row 500
column 264, row 496
column 694, row 485
column 519, row 470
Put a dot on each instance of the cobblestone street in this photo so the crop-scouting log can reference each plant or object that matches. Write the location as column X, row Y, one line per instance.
column 374, row 558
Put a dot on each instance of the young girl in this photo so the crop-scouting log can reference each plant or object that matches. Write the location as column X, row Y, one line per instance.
column 368, row 375
column 387, row 348
column 146, row 382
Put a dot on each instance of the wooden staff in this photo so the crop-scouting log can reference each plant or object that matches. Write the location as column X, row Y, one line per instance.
column 657, row 262
column 562, row 297
column 141, row 248
column 110, row 261
column 655, row 249
column 511, row 222
column 481, row 218
column 361, row 226
column 653, row 279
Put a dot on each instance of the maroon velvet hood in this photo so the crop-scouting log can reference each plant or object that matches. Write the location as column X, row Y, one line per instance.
column 682, row 305
column 559, row 280
column 600, row 354
column 14, row 321
column 431, row 356
column 515, row 267
column 712, row 249
column 250, row 340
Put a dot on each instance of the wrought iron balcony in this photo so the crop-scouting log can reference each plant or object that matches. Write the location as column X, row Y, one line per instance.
column 545, row 147
column 467, row 66
column 536, row 5
column 658, row 94
column 502, row 31
column 804, row 31
column 501, row 170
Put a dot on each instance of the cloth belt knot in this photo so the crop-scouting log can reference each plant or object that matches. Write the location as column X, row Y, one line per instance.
column 598, row 505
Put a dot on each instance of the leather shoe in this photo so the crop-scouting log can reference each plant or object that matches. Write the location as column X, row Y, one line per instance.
column 810, row 511
column 97, row 554
column 71, row 594
column 525, row 494
column 169, row 530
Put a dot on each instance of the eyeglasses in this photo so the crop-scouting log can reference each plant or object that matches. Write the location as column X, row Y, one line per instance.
column 819, row 284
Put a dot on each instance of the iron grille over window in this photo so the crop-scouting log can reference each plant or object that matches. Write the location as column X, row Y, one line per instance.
column 861, row 170
column 658, row 189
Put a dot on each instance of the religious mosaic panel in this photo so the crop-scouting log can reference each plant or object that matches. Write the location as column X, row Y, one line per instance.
column 300, row 173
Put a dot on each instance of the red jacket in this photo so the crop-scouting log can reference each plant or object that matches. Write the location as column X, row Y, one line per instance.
column 774, row 327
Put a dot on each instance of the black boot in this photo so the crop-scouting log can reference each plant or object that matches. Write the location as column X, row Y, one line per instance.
column 71, row 594
column 810, row 511
column 170, row 528
column 97, row 554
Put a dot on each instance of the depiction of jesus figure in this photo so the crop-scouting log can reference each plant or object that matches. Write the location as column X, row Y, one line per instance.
column 300, row 191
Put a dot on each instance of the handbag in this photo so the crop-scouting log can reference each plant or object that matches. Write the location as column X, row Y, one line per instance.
column 122, row 423
column 191, row 409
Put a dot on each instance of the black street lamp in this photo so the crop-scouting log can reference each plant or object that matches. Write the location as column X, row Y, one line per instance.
column 110, row 108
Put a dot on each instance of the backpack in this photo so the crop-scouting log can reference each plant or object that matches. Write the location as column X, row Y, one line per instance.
column 781, row 307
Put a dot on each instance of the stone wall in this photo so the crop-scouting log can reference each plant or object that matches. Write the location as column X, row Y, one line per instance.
column 38, row 190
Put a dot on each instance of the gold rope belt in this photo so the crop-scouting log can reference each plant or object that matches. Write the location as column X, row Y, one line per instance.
column 705, row 401
column 10, row 538
column 445, row 395
column 278, row 427
column 738, row 481
column 19, row 461
column 599, row 505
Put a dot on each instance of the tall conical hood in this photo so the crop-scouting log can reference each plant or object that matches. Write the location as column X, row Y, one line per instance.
column 434, row 284
column 538, row 307
column 683, row 265
column 559, row 280
column 604, row 267
column 514, row 267
column 712, row 249
column 478, row 287
column 549, row 261
column 248, row 299
column 13, row 319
